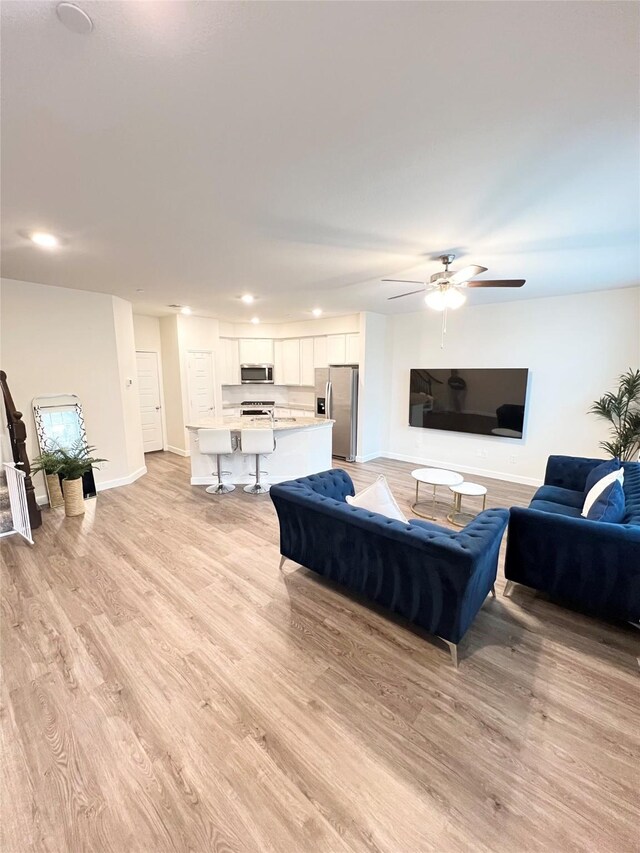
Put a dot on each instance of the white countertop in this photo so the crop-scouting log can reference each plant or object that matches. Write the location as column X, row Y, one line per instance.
column 300, row 406
column 252, row 422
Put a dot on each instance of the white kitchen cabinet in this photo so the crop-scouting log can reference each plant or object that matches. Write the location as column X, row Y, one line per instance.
column 353, row 348
column 291, row 361
column 229, row 362
column 256, row 351
column 307, row 370
column 320, row 352
column 337, row 349
column 278, row 363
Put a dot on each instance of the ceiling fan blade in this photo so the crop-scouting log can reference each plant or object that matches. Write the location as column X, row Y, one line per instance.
column 403, row 280
column 466, row 273
column 411, row 292
column 506, row 282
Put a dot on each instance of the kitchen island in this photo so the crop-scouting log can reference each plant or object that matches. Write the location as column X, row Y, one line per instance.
column 303, row 447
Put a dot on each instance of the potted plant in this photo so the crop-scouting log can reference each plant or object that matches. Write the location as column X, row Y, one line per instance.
column 74, row 462
column 622, row 409
column 49, row 463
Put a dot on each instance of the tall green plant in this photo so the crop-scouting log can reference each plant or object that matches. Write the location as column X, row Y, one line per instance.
column 622, row 409
column 77, row 460
column 47, row 461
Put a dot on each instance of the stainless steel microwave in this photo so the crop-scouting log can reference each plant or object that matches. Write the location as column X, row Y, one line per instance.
column 256, row 373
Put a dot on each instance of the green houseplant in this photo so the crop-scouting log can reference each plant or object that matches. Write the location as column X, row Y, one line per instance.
column 622, row 409
column 49, row 463
column 74, row 462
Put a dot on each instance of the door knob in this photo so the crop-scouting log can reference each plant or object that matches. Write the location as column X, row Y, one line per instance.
column 157, row 408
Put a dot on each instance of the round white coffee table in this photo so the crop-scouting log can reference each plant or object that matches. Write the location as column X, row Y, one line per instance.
column 433, row 477
column 471, row 489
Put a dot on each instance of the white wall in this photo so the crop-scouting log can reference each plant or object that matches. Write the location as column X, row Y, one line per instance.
column 128, row 381
column 146, row 331
column 300, row 329
column 172, row 386
column 574, row 346
column 56, row 340
column 374, row 384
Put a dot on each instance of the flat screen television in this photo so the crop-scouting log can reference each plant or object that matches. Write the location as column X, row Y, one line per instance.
column 478, row 400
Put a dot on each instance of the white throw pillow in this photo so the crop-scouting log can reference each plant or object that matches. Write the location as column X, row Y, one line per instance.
column 378, row 498
column 598, row 488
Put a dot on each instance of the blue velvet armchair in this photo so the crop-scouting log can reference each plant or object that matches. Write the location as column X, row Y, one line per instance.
column 430, row 575
column 594, row 565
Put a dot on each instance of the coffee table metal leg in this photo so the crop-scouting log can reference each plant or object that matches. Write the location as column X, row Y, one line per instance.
column 416, row 505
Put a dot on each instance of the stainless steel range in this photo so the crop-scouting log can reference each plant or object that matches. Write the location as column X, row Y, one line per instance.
column 257, row 407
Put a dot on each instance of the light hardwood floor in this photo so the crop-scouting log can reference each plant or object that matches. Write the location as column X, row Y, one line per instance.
column 166, row 688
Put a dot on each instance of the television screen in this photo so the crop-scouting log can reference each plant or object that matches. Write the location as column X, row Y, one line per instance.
column 483, row 401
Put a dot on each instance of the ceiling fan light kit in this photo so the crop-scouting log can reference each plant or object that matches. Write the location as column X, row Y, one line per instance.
column 444, row 289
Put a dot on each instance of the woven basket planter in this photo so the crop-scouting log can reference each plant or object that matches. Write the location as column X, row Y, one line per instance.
column 54, row 490
column 73, row 497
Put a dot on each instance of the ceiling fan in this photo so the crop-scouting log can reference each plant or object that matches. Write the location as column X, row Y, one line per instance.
column 445, row 289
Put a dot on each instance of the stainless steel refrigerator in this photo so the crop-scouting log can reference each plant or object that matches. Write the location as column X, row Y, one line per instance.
column 337, row 399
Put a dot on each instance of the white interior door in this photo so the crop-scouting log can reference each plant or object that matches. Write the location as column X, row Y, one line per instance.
column 201, row 391
column 149, row 397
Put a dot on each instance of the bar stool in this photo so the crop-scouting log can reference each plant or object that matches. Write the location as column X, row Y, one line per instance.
column 216, row 442
column 257, row 442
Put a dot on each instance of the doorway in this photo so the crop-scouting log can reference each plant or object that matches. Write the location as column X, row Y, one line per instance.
column 150, row 401
column 200, row 385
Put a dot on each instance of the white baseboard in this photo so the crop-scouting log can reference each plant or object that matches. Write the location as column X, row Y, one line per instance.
column 43, row 499
column 122, row 481
column 177, row 450
column 480, row 472
column 369, row 456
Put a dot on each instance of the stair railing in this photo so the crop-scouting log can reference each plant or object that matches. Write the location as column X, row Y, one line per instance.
column 18, row 501
column 18, row 439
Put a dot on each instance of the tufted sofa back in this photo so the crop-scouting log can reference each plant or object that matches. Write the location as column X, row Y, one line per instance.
column 326, row 493
column 631, row 488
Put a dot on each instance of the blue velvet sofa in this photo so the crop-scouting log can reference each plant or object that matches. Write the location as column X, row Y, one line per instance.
column 432, row 576
column 591, row 564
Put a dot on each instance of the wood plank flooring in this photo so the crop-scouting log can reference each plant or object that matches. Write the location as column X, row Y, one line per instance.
column 166, row 688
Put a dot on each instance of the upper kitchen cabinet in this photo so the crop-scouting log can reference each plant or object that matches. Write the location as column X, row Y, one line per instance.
column 353, row 349
column 229, row 362
column 290, row 362
column 307, row 369
column 256, row 351
column 320, row 352
column 343, row 349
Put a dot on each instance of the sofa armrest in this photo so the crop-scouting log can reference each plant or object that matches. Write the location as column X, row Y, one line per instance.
column 592, row 563
column 569, row 472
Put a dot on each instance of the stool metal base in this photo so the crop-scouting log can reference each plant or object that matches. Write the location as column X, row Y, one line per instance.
column 220, row 489
column 257, row 489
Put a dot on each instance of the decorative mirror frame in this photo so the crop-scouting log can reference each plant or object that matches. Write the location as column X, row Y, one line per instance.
column 65, row 403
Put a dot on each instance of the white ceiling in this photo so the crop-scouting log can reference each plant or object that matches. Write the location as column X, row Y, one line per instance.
column 304, row 151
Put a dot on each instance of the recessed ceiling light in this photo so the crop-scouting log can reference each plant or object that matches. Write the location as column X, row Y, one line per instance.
column 185, row 309
column 74, row 19
column 317, row 312
column 255, row 320
column 44, row 240
column 247, row 298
